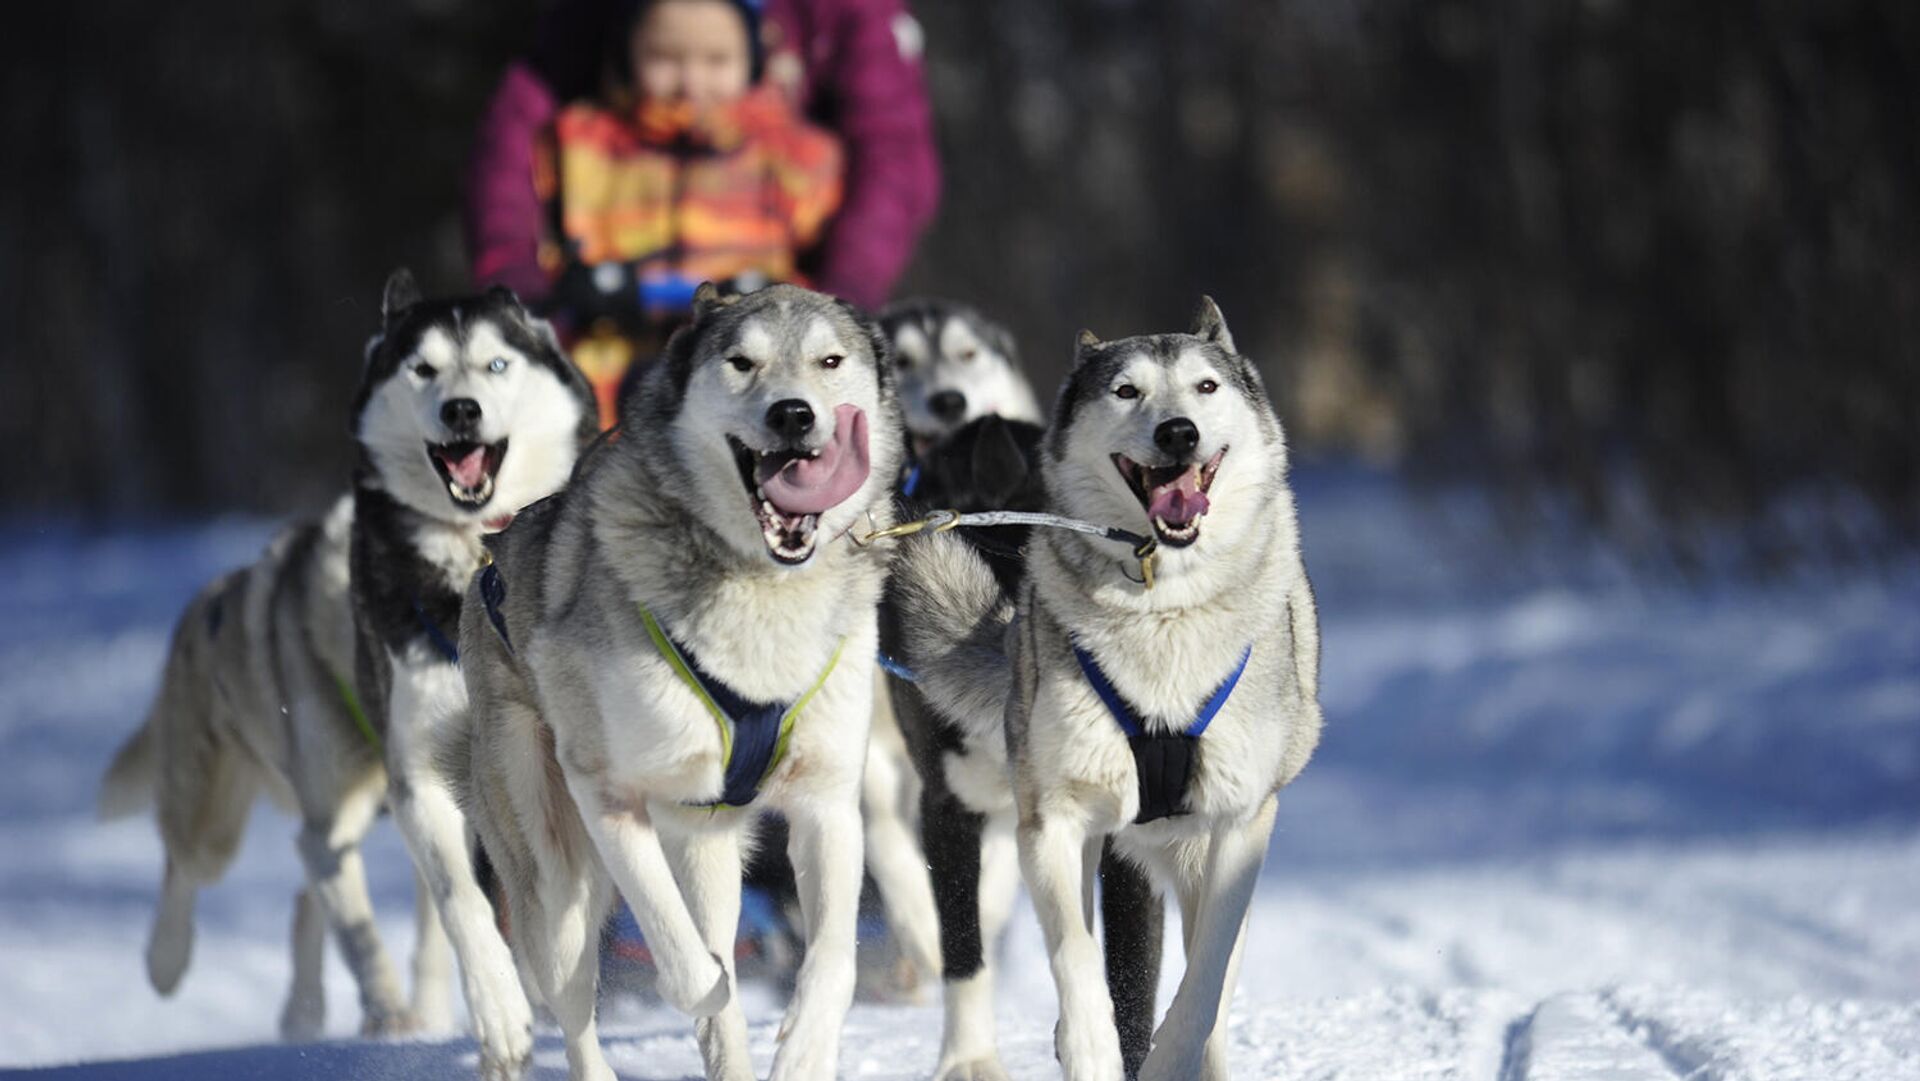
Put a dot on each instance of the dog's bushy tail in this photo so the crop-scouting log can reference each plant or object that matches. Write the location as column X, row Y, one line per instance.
column 953, row 619
column 128, row 788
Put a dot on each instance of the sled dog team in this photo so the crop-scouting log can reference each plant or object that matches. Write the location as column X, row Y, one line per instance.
column 604, row 656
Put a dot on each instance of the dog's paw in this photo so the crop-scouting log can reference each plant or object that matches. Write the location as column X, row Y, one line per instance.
column 433, row 1014
column 807, row 1053
column 1088, row 1051
column 979, row 1069
column 303, row 1018
column 697, row 989
column 502, row 1025
column 376, row 1024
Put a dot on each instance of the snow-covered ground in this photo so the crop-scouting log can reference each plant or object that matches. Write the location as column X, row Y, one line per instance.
column 1561, row 828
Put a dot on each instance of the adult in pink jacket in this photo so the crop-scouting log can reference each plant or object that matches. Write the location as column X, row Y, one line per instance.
column 851, row 65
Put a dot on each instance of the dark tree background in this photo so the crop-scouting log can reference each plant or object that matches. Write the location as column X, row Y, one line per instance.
column 1655, row 263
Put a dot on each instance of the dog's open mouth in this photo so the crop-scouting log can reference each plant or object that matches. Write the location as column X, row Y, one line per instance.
column 468, row 469
column 790, row 488
column 1174, row 496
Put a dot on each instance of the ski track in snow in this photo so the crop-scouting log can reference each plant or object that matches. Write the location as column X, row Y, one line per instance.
column 1560, row 829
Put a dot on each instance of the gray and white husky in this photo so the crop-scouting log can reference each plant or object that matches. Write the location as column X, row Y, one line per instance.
column 955, row 366
column 680, row 639
column 257, row 695
column 467, row 412
column 1164, row 718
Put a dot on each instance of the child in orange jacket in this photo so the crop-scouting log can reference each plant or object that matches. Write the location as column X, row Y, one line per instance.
column 685, row 170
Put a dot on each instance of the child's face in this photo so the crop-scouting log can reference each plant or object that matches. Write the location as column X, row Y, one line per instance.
column 691, row 50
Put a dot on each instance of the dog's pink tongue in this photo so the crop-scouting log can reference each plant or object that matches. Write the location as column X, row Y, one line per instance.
column 1179, row 501
column 469, row 469
column 812, row 485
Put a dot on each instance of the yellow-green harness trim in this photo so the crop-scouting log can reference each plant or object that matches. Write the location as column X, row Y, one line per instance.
column 359, row 715
column 684, row 669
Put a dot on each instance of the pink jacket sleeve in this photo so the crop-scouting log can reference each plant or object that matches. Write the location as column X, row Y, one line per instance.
column 878, row 98
column 504, row 214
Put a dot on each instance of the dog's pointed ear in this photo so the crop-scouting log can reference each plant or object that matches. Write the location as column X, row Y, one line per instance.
column 402, row 292
column 1210, row 325
column 1085, row 345
column 708, row 299
column 999, row 469
column 508, row 299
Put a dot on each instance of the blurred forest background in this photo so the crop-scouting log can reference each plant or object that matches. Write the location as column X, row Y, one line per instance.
column 1645, row 265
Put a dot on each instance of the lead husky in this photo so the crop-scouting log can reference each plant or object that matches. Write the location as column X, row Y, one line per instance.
column 256, row 695
column 680, row 639
column 467, row 412
column 1168, row 717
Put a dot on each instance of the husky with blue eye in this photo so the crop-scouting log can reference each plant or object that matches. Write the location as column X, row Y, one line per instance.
column 1158, row 719
column 468, row 411
column 683, row 638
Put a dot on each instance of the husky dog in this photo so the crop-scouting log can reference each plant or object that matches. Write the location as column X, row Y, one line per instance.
column 1165, row 718
column 256, row 695
column 966, row 808
column 467, row 412
column 955, row 366
column 684, row 637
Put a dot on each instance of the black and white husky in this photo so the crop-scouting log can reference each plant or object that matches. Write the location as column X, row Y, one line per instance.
column 684, row 637
column 257, row 695
column 955, row 366
column 467, row 412
column 1163, row 718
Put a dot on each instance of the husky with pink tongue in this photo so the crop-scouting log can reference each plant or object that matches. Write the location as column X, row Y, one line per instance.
column 681, row 640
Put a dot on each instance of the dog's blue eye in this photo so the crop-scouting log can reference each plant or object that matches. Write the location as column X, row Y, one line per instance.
column 1127, row 391
column 424, row 370
column 1207, row 386
column 498, row 365
column 740, row 363
column 831, row 360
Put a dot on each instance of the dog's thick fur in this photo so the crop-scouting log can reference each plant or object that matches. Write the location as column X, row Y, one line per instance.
column 254, row 697
column 1228, row 579
column 480, row 376
column 966, row 810
column 591, row 758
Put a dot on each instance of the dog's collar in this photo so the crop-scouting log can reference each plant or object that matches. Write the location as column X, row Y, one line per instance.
column 1163, row 761
column 443, row 644
column 753, row 735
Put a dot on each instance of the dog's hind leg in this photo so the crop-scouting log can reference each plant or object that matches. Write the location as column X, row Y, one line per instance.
column 558, row 929
column 1053, row 857
column 1191, row 1041
column 706, row 862
column 898, row 866
column 329, row 845
column 432, row 962
column 206, row 790
column 305, row 1014
column 1132, row 924
column 952, row 836
column 824, row 842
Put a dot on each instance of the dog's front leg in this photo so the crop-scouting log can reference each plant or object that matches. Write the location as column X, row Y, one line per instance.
column 824, row 843
column 432, row 962
column 1053, row 855
column 1191, row 1041
column 691, row 977
column 706, row 862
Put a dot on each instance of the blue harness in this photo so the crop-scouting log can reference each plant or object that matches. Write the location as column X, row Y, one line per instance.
column 434, row 634
column 1163, row 761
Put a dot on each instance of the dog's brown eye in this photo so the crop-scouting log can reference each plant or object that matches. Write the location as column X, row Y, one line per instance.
column 969, row 354
column 831, row 360
column 1208, row 386
column 740, row 363
column 1126, row 390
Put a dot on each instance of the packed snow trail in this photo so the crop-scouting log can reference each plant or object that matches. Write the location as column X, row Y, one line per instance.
column 1560, row 830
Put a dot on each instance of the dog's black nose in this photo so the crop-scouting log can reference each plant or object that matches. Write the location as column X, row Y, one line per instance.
column 1177, row 437
column 948, row 405
column 460, row 414
column 790, row 419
